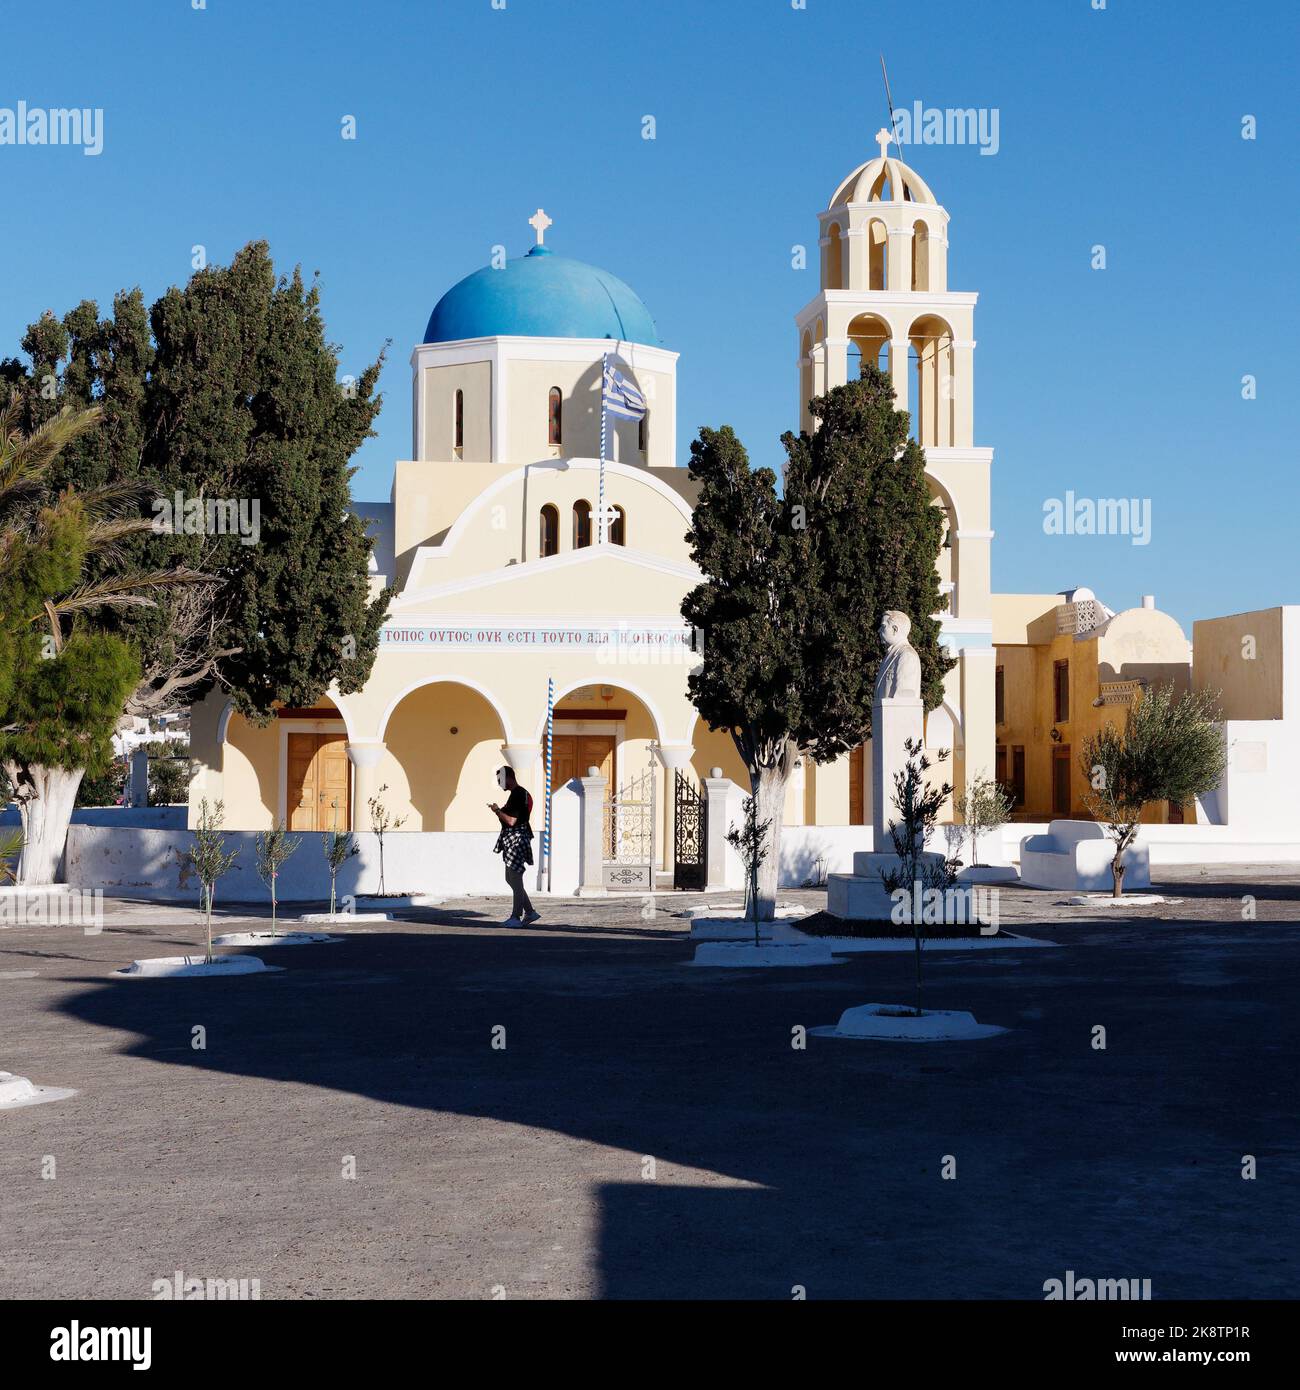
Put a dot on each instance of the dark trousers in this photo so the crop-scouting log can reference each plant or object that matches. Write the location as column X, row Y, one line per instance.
column 515, row 878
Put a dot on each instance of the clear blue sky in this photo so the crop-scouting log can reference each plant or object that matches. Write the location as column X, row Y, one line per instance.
column 1119, row 126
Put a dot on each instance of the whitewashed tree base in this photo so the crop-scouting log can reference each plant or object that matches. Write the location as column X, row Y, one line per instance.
column 264, row 938
column 728, row 929
column 398, row 900
column 24, row 890
column 746, row 956
column 896, row 1023
column 988, row 873
column 17, row 1091
column 194, row 967
column 1124, row 900
column 853, row 945
column 722, row 914
column 343, row 918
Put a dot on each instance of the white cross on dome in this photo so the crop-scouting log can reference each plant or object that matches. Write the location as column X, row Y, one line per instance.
column 539, row 222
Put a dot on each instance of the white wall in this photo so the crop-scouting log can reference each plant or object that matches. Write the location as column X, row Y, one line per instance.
column 1186, row 844
column 140, row 861
column 1257, row 795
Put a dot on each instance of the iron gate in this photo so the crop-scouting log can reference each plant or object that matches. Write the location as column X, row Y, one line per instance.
column 629, row 835
column 690, row 834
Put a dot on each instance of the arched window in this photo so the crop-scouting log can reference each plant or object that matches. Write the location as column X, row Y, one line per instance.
column 877, row 256
column 935, row 404
column 618, row 527
column 643, row 432
column 548, row 540
column 834, row 258
column 920, row 256
column 555, row 416
column 458, row 424
column 868, row 342
column 581, row 524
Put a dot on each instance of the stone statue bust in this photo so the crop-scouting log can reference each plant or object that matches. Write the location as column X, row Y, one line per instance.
column 900, row 669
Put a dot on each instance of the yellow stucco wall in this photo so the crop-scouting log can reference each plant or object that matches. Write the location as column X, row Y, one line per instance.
column 1137, row 644
column 528, row 387
column 440, row 387
column 1239, row 659
column 498, row 510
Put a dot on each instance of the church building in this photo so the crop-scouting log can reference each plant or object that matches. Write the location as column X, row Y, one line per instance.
column 509, row 580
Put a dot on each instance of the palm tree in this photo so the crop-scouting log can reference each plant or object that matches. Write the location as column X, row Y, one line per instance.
column 46, row 741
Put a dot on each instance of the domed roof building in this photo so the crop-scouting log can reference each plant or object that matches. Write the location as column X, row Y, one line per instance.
column 505, row 583
column 541, row 295
column 535, row 547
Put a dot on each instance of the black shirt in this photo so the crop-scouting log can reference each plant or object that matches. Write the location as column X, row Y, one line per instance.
column 517, row 806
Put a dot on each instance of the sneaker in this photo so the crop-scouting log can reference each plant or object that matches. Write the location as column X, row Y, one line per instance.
column 531, row 917
column 512, row 922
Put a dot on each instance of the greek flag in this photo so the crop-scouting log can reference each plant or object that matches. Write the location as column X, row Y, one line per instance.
column 619, row 396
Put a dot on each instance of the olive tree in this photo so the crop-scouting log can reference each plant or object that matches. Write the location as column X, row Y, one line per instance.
column 1170, row 749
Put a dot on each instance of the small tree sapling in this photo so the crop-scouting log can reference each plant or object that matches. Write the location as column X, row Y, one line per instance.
column 918, row 808
column 339, row 847
column 210, row 858
column 381, row 823
column 273, row 850
column 983, row 806
column 751, row 844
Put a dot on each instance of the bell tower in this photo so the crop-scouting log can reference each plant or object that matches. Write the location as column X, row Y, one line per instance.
column 884, row 299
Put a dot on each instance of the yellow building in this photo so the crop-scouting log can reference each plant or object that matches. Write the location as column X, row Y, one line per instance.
column 504, row 582
column 1066, row 666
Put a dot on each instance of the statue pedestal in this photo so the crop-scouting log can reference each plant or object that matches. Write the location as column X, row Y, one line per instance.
column 862, row 895
column 893, row 722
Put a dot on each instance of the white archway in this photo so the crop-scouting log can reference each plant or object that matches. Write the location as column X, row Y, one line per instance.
column 466, row 681
column 228, row 711
column 620, row 684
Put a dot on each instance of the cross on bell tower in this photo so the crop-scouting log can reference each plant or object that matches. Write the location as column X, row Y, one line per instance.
column 539, row 222
column 883, row 137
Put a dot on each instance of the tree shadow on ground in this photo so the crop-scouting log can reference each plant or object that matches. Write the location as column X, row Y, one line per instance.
column 777, row 1166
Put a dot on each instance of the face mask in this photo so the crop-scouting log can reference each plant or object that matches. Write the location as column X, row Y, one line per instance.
column 501, row 780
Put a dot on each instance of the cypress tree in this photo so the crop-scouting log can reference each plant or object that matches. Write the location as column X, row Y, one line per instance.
column 225, row 391
column 796, row 582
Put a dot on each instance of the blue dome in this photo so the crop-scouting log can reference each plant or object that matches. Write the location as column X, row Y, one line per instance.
column 541, row 295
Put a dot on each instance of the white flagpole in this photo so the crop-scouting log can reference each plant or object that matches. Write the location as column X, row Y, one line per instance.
column 546, row 824
column 600, row 510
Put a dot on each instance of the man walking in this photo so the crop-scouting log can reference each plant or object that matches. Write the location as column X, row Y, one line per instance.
column 515, row 845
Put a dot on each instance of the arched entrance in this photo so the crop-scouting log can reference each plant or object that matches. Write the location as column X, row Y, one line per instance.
column 291, row 771
column 443, row 750
column 615, row 730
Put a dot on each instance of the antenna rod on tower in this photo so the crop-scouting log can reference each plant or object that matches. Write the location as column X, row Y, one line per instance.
column 893, row 128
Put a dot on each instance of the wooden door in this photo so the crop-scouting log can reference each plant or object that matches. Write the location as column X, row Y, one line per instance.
column 573, row 754
column 1061, row 780
column 858, row 785
column 317, row 778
